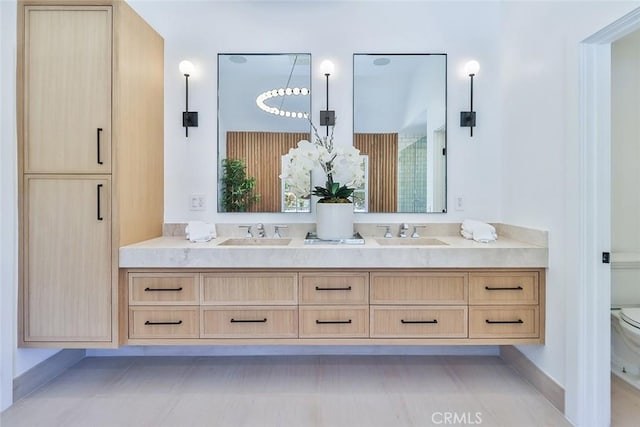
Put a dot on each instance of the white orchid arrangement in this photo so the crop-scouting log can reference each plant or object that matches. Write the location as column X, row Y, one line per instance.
column 340, row 165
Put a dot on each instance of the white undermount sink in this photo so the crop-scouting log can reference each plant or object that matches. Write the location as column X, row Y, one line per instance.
column 396, row 241
column 255, row 242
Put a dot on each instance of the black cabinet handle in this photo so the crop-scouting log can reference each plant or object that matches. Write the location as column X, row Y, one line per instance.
column 249, row 320
column 163, row 289
column 497, row 288
column 100, row 218
column 98, row 143
column 148, row 322
column 418, row 321
column 318, row 288
column 333, row 322
column 492, row 322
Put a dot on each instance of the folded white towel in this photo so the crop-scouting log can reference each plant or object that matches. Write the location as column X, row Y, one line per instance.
column 199, row 231
column 478, row 231
column 471, row 224
column 466, row 234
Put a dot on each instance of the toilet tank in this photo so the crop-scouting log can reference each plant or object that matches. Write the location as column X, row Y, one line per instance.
column 625, row 279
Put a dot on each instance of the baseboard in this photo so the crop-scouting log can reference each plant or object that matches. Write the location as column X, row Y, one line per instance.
column 529, row 371
column 45, row 371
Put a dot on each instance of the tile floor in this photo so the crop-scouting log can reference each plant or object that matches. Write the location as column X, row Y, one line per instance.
column 625, row 404
column 287, row 391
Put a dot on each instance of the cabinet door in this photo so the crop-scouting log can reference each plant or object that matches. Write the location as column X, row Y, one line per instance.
column 67, row 99
column 67, row 264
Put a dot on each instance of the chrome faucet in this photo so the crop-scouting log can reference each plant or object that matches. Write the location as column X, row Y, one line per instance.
column 248, row 227
column 276, row 230
column 403, row 230
column 260, row 228
column 387, row 233
column 415, row 234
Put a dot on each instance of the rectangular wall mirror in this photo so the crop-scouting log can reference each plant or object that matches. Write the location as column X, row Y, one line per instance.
column 263, row 100
column 400, row 127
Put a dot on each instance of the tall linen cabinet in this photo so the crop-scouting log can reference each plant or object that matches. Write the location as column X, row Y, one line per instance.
column 90, row 78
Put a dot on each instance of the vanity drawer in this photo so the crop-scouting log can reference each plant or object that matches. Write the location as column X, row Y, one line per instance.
column 504, row 322
column 334, row 288
column 165, row 322
column 164, row 289
column 418, row 288
column 263, row 288
column 249, row 322
column 503, row 288
column 334, row 322
column 419, row 322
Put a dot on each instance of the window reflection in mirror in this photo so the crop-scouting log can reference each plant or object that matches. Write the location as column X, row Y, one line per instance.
column 257, row 127
column 399, row 122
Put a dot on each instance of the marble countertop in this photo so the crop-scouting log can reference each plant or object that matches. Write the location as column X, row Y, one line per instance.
column 506, row 252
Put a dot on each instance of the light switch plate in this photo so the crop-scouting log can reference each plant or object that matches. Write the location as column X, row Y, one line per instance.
column 197, row 202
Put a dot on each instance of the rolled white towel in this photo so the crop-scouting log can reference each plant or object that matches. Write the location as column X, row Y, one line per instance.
column 199, row 231
column 478, row 231
column 471, row 224
column 484, row 235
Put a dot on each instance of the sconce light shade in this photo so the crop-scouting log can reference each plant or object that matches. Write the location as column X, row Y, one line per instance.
column 468, row 118
column 186, row 67
column 472, row 67
column 189, row 118
column 327, row 67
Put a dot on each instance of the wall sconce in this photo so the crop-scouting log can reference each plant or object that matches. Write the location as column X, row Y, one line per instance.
column 189, row 118
column 327, row 117
column 468, row 118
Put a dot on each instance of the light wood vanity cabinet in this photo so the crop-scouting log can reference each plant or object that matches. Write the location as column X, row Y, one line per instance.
column 164, row 289
column 334, row 304
column 249, row 305
column 425, row 306
column 264, row 288
column 505, row 304
column 249, row 322
column 90, row 163
column 419, row 304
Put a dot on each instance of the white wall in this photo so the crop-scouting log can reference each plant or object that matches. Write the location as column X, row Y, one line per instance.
column 328, row 30
column 540, row 133
column 625, row 144
column 625, row 174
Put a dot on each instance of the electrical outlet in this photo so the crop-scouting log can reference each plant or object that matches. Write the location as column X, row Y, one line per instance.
column 197, row 202
column 459, row 203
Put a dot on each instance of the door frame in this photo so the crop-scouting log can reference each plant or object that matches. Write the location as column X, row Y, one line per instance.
column 588, row 350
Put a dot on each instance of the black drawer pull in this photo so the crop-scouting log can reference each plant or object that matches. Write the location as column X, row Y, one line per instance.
column 100, row 218
column 98, row 143
column 495, row 288
column 249, row 320
column 179, row 322
column 418, row 321
column 318, row 288
column 163, row 289
column 333, row 322
column 492, row 322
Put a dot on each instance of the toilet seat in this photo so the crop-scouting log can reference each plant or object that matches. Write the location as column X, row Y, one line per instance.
column 631, row 316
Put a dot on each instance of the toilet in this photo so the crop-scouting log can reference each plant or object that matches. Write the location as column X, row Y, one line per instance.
column 625, row 344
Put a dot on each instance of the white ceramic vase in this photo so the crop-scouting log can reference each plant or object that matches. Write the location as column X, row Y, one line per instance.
column 334, row 221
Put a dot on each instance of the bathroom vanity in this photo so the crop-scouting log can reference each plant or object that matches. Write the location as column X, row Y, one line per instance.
column 439, row 290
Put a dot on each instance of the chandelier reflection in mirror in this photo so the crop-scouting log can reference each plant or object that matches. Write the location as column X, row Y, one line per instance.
column 260, row 101
column 283, row 92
